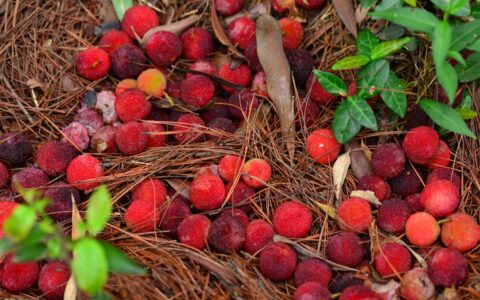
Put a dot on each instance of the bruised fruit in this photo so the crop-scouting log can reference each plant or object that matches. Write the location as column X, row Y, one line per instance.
column 242, row 103
column 226, row 234
column 376, row 184
column 138, row 20
column 152, row 82
column 131, row 138
column 235, row 73
column 228, row 7
column 106, row 105
column 132, row 105
column 258, row 234
column 421, row 144
column 53, row 157
column 241, row 31
column 197, row 90
column 114, row 39
column 103, row 141
column 77, row 135
column 440, row 198
column 460, row 232
column 416, row 285
column 156, row 134
column 388, row 161
column 358, row 292
column 343, row 281
column 316, row 92
column 354, row 214
column 256, row 172
column 164, row 48
column 93, row 63
column 53, row 280
column 188, row 128
column 441, row 158
column 292, row 220
column 392, row 258
column 142, row 216
column 447, row 174
column 197, row 43
column 152, row 190
column 345, row 248
column 422, row 229
column 61, row 195
column 447, row 267
column 312, row 290
column 193, row 231
column 292, row 32
column 128, row 61
column 207, row 192
column 29, row 178
column 278, row 261
column 407, row 183
column 322, row 146
column 84, row 172
column 18, row 277
column 15, row 148
column 392, row 215
column 313, row 269
column 259, row 85
column 90, row 119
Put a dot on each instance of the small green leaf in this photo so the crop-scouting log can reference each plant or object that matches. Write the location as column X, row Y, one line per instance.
column 374, row 75
column 467, row 100
column 394, row 95
column 39, row 205
column 464, row 35
column 119, row 262
column 412, row 3
column 387, row 48
column 20, row 223
column 366, row 41
column 457, row 57
column 466, row 114
column 99, row 209
column 475, row 46
column 30, row 252
column 447, row 77
column 446, row 117
column 53, row 247
column 101, row 296
column 121, row 6
column 416, row 19
column 351, row 62
column 459, row 8
column 361, row 112
column 344, row 126
column 441, row 42
column 388, row 4
column 470, row 72
column 367, row 3
column 392, row 31
column 89, row 265
column 331, row 83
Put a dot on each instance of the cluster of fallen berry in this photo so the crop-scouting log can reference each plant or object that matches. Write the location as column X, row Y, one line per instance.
column 126, row 121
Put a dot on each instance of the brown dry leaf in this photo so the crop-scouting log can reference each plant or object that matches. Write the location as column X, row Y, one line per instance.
column 180, row 186
column 70, row 289
column 77, row 222
column 220, row 32
column 345, row 11
column 366, row 150
column 277, row 70
column 360, row 163
column 367, row 195
column 33, row 83
column 449, row 294
column 106, row 12
column 68, row 84
column 329, row 210
column 339, row 170
column 175, row 28
column 360, row 14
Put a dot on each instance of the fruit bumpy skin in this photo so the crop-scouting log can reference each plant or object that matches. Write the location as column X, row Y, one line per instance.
column 345, row 248
column 132, row 105
column 219, row 127
column 15, row 148
column 460, row 232
column 193, row 231
column 447, row 267
column 422, row 229
column 256, row 172
column 93, row 63
column 440, row 198
column 103, row 141
column 292, row 32
column 322, row 146
column 219, row 109
column 241, row 75
column 207, row 192
column 343, row 281
column 310, row 4
column 152, row 190
column 4, row 175
column 29, row 178
column 152, row 82
column 241, row 31
column 138, row 20
column 242, row 103
column 114, row 39
column 301, row 65
column 441, row 158
column 60, row 206
column 307, row 113
column 407, row 183
column 354, row 214
column 142, row 216
column 241, row 195
column 164, row 48
column 198, row 43
column 53, row 157
column 18, row 277
column 317, row 92
column 376, row 184
column 90, row 119
column 229, row 7
column 278, row 261
column 6, row 209
column 416, row 285
column 292, row 220
column 197, row 90
column 392, row 258
column 173, row 215
column 312, row 290
column 392, row 215
column 236, row 213
column 203, row 66
column 312, row 269
column 53, row 280
column 421, row 144
column 226, row 234
column 77, row 135
column 84, row 168
column 156, row 134
column 414, row 203
column 252, row 56
column 131, row 138
column 388, row 161
column 128, row 61
column 188, row 127
column 358, row 292
column 258, row 234
column 443, row 173
column 124, row 85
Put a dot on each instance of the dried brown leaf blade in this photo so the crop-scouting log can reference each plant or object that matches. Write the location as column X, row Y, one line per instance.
column 277, row 70
column 340, row 169
column 360, row 163
column 70, row 289
column 346, row 12
column 367, row 195
column 329, row 210
column 180, row 186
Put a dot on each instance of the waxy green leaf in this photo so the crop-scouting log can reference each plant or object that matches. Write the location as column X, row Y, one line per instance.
column 351, row 62
column 394, row 95
column 89, row 265
column 361, row 112
column 366, row 41
column 416, row 19
column 331, row 83
column 389, row 47
column 344, row 126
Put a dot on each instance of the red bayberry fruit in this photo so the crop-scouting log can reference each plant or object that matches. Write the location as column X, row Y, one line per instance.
column 122, row 86
column 241, row 31
column 447, row 174
column 131, row 138
column 354, row 214
column 301, row 65
column 447, row 267
column 29, row 178
column 18, row 277
column 292, row 33
column 6, row 209
column 228, row 7
column 4, row 175
column 156, row 134
column 173, row 215
column 193, row 231
column 416, row 285
column 440, row 198
column 104, row 140
column 407, row 183
column 241, row 195
column 252, row 56
column 258, row 234
column 322, row 146
column 461, row 232
column 114, row 39
column 197, row 43
column 239, row 74
column 344, row 248
column 138, row 20
column 53, row 280
column 142, row 216
column 422, row 229
column 358, row 292
column 84, row 172
column 226, row 234
column 164, row 48
column 317, row 92
column 259, row 85
column 204, row 67
column 392, row 215
column 310, row 4
column 197, row 90
column 128, row 61
column 77, row 135
column 61, row 195
column 150, row 189
column 93, row 63
column 377, row 185
column 53, row 157
column 90, row 119
column 242, row 103
column 421, row 144
column 312, row 290
column 414, row 203
column 207, row 192
column 292, row 220
column 188, row 128
column 256, row 172
column 313, row 269
column 277, row 261
column 307, row 113
column 15, row 149
column 219, row 127
column 441, row 158
column 218, row 110
column 388, row 161
column 132, row 105
column 236, row 213
column 392, row 258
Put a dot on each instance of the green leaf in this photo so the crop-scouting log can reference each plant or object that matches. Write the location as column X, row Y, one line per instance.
column 447, row 77
column 367, row 3
column 39, row 205
column 475, row 46
column 388, row 4
column 476, row 10
column 30, row 252
column 344, row 126
column 392, row 31
column 5, row 246
column 121, row 6
column 394, row 95
column 89, row 265
column 119, row 262
column 361, row 112
column 101, row 296
column 441, row 42
column 465, row 34
column 99, row 209
column 366, row 41
column 53, row 247
column 459, row 8
column 374, row 75
column 457, row 57
column 467, row 100
column 445, row 116
column 416, row 19
column 467, row 114
column 412, row 3
column 20, row 223
column 387, row 48
column 471, row 71
column 351, row 62
column 331, row 83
